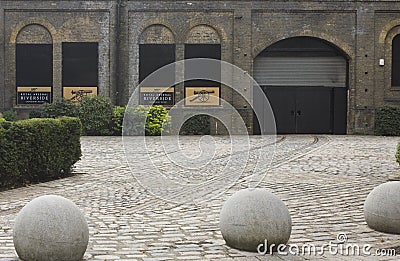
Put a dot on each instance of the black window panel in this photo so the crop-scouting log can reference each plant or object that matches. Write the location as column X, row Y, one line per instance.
column 212, row 51
column 34, row 64
column 151, row 58
column 80, row 64
column 396, row 61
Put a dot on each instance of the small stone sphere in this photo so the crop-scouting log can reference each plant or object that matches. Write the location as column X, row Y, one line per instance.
column 50, row 228
column 252, row 217
column 382, row 208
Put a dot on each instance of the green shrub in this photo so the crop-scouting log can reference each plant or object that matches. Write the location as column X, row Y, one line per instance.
column 95, row 113
column 196, row 125
column 387, row 121
column 158, row 121
column 154, row 119
column 117, row 119
column 37, row 150
column 10, row 115
column 60, row 108
column 36, row 114
column 397, row 155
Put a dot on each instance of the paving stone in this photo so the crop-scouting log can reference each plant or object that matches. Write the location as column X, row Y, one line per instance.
column 323, row 183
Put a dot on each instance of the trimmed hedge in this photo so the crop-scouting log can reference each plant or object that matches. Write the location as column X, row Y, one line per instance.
column 37, row 150
column 387, row 121
column 196, row 125
column 95, row 113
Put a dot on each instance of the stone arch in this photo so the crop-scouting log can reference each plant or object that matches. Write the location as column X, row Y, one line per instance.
column 28, row 27
column 34, row 34
column 203, row 34
column 389, row 31
column 157, row 34
column 340, row 45
column 390, row 35
column 80, row 30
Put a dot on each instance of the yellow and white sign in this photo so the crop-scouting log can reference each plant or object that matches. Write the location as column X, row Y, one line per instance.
column 202, row 96
column 75, row 94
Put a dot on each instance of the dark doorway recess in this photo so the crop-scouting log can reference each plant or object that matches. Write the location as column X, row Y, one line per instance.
column 211, row 51
column 80, row 64
column 305, row 80
column 151, row 58
column 34, row 65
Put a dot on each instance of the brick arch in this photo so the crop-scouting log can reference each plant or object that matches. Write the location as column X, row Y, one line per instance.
column 80, row 30
column 200, row 22
column 202, row 34
column 343, row 47
column 34, row 34
column 156, row 34
column 34, row 22
column 389, row 31
column 391, row 34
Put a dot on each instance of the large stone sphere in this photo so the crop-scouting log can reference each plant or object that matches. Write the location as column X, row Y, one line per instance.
column 50, row 228
column 382, row 208
column 253, row 216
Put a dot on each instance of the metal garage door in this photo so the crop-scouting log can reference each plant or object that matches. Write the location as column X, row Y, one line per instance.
column 307, row 90
column 300, row 71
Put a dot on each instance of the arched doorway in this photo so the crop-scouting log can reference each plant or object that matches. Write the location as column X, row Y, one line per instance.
column 306, row 82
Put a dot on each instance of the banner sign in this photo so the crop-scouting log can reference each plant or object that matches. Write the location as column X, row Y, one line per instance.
column 33, row 95
column 157, row 95
column 202, row 96
column 75, row 94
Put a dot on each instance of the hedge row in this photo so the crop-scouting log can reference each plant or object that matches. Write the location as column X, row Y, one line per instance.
column 38, row 150
column 99, row 117
column 387, row 121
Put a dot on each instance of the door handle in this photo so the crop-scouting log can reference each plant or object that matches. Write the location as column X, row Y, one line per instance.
column 298, row 113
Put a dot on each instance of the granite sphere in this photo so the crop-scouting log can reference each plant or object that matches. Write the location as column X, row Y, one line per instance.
column 251, row 217
column 50, row 228
column 382, row 208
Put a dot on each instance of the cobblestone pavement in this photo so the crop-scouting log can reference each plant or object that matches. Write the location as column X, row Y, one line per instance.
column 323, row 180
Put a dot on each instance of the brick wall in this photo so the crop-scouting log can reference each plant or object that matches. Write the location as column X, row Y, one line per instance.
column 363, row 30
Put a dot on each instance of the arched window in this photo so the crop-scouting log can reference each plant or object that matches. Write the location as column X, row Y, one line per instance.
column 157, row 49
column 396, row 61
column 34, row 65
column 203, row 41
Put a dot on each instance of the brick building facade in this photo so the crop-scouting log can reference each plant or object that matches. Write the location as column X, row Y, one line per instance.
column 360, row 34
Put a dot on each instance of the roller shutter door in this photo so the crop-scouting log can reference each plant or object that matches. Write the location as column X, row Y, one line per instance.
column 300, row 71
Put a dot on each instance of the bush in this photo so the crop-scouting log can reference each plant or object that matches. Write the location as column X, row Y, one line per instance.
column 154, row 119
column 117, row 119
column 397, row 155
column 387, row 121
column 59, row 108
column 10, row 115
column 196, row 125
column 36, row 114
column 158, row 121
column 38, row 150
column 95, row 113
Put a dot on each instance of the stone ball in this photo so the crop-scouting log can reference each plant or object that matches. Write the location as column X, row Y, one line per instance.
column 253, row 216
column 382, row 208
column 50, row 228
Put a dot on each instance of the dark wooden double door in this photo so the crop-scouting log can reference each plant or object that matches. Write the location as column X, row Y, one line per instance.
column 308, row 109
